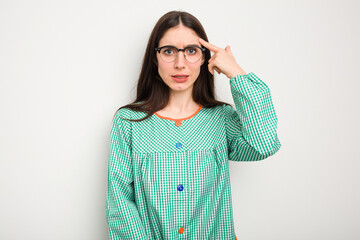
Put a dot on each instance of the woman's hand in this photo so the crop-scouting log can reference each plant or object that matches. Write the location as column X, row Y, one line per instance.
column 222, row 61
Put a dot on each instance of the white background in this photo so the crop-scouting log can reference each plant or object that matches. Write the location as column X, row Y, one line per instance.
column 67, row 66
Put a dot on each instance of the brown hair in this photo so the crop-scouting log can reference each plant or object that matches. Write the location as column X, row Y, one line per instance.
column 152, row 92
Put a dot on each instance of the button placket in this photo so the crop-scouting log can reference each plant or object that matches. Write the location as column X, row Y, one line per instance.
column 182, row 194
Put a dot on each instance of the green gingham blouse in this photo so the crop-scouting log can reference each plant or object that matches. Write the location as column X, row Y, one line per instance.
column 169, row 179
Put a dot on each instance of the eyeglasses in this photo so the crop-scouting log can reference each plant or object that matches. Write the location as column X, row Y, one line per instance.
column 170, row 53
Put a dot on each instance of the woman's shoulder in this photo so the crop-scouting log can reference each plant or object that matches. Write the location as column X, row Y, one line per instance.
column 217, row 113
column 128, row 113
column 228, row 109
column 221, row 109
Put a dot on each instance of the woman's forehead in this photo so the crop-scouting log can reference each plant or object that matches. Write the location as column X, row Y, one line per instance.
column 179, row 35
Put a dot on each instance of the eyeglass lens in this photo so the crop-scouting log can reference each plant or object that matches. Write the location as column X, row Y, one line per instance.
column 192, row 54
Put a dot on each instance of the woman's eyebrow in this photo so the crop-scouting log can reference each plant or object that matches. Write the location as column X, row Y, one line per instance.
column 193, row 45
column 190, row 45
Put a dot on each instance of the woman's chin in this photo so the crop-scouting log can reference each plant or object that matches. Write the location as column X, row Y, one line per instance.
column 181, row 88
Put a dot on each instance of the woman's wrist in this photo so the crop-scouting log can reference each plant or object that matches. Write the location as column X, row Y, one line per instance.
column 238, row 71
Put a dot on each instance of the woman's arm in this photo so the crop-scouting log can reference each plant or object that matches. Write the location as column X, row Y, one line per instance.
column 121, row 211
column 251, row 129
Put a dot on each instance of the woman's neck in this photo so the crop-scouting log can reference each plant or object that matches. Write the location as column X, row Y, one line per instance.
column 180, row 105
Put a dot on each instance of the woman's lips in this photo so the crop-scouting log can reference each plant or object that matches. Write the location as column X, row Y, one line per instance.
column 180, row 78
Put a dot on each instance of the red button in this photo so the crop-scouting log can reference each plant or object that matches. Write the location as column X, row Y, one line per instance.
column 181, row 230
column 178, row 123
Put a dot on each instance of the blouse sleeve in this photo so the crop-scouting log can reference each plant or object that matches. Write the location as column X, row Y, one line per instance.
column 121, row 211
column 251, row 129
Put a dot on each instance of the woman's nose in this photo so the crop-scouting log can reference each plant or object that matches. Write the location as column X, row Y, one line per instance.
column 180, row 60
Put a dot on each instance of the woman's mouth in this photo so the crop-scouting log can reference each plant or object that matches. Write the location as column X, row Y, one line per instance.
column 180, row 77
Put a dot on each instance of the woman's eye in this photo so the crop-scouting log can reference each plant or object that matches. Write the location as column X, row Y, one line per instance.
column 191, row 51
column 168, row 51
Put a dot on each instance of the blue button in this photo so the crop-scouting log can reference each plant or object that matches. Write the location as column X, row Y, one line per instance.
column 178, row 145
column 180, row 187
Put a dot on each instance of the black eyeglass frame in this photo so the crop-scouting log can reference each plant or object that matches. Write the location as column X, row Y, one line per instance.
column 179, row 49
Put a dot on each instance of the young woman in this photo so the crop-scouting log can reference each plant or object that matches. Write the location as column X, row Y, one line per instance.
column 168, row 175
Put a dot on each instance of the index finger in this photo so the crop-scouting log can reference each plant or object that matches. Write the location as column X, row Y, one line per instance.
column 208, row 45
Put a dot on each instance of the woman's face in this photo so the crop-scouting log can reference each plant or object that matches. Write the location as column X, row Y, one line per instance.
column 180, row 37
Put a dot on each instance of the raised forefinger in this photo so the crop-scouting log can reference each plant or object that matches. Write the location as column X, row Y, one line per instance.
column 208, row 45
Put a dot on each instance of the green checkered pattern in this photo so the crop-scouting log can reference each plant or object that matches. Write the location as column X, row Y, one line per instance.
column 157, row 186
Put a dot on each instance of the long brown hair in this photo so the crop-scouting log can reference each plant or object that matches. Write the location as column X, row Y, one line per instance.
column 152, row 93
